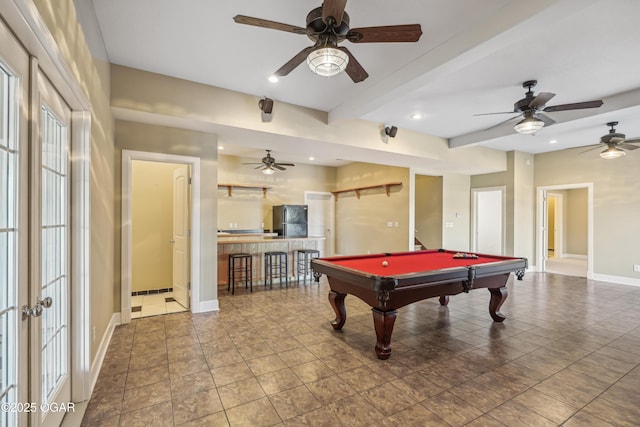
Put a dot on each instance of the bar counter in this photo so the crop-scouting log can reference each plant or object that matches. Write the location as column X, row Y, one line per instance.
column 257, row 245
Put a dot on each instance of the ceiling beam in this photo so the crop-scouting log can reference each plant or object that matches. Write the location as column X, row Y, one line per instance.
column 516, row 21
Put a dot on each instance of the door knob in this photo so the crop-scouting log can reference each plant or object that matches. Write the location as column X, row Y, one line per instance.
column 36, row 310
column 172, row 241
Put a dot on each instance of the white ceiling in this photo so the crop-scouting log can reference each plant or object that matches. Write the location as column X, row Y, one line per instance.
column 472, row 58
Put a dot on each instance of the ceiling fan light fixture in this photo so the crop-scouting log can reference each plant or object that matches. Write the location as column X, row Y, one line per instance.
column 529, row 124
column 327, row 61
column 268, row 171
column 612, row 153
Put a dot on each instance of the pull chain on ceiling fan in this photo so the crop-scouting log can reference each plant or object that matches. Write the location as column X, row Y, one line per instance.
column 328, row 26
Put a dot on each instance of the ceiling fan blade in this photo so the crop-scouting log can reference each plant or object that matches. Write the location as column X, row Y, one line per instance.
column 548, row 121
column 627, row 146
column 284, row 164
column 333, row 8
column 252, row 163
column 259, row 167
column 278, row 167
column 385, row 34
column 294, row 62
column 540, row 100
column 354, row 69
column 490, row 114
column 632, row 141
column 272, row 25
column 502, row 122
column 574, row 106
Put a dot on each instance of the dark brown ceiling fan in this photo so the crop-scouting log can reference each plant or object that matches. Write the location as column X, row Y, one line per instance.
column 532, row 106
column 328, row 26
column 615, row 142
column 268, row 164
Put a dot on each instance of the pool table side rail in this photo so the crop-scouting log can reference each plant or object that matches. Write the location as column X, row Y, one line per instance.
column 435, row 277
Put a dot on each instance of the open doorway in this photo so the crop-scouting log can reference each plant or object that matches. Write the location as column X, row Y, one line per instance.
column 158, row 255
column 565, row 229
column 160, row 206
column 427, row 212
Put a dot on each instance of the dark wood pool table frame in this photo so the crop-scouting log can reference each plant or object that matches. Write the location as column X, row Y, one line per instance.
column 385, row 294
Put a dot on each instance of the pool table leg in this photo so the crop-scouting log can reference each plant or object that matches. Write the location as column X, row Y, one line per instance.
column 498, row 296
column 444, row 300
column 337, row 303
column 383, row 322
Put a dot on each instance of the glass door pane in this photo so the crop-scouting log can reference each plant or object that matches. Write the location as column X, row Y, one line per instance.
column 8, row 245
column 54, row 259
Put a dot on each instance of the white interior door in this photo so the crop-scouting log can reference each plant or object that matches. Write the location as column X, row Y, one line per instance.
column 180, row 239
column 50, row 203
column 321, row 219
column 488, row 221
column 14, row 229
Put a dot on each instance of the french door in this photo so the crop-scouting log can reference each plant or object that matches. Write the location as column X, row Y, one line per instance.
column 34, row 243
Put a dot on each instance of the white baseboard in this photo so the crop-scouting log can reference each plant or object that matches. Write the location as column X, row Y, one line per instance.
column 96, row 365
column 206, row 306
column 616, row 279
column 573, row 256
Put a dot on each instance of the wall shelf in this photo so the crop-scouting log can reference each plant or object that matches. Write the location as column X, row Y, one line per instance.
column 230, row 188
column 387, row 188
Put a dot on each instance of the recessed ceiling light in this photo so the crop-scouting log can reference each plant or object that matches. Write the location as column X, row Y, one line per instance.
column 416, row 116
column 220, row 147
column 273, row 79
column 553, row 141
column 311, row 158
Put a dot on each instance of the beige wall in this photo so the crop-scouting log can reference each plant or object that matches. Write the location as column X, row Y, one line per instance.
column 518, row 180
column 247, row 208
column 152, row 225
column 93, row 77
column 151, row 138
column 456, row 211
column 361, row 224
column 576, row 212
column 616, row 240
column 428, row 210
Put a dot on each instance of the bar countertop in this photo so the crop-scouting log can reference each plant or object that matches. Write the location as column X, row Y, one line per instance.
column 261, row 239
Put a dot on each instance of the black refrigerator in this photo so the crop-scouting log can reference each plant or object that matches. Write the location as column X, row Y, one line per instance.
column 290, row 220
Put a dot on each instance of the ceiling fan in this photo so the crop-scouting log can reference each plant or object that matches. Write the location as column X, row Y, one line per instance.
column 269, row 164
column 328, row 26
column 615, row 142
column 532, row 106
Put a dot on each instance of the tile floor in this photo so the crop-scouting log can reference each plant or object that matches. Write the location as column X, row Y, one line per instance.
column 153, row 305
column 568, row 354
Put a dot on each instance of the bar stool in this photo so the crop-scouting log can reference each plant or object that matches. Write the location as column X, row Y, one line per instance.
column 240, row 267
column 303, row 263
column 276, row 265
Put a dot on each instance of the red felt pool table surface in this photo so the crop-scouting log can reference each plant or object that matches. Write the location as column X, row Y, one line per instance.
column 410, row 262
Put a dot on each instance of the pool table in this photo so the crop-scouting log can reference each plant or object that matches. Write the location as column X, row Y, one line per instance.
column 389, row 281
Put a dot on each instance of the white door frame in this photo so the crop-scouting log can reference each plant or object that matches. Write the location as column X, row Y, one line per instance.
column 474, row 215
column 541, row 227
column 332, row 218
column 127, row 158
column 23, row 19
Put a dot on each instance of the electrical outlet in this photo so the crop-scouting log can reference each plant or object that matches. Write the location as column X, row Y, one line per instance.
column 636, row 268
column 390, row 224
